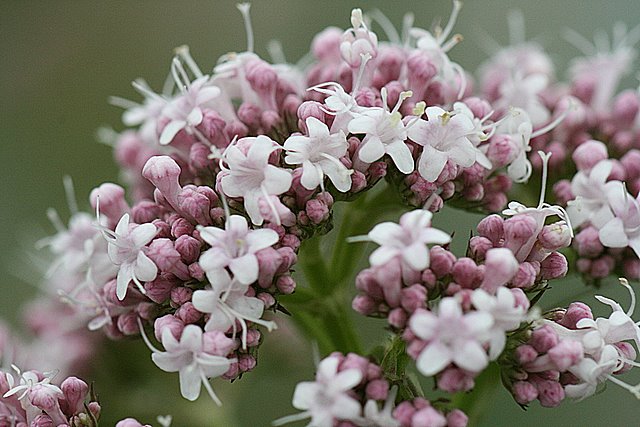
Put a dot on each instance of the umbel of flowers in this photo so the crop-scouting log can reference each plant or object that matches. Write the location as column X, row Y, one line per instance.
column 233, row 174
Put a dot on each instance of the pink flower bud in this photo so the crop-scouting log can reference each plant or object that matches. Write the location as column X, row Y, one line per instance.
column 588, row 154
column 269, row 261
column 249, row 114
column 317, row 211
column 525, row 276
column 518, row 231
column 554, row 266
column 502, row 150
column 428, row 417
column 625, row 107
column 286, row 284
column 441, row 261
column 112, row 202
column 253, row 337
column 500, row 268
column 46, row 399
column 41, row 420
column 181, row 295
column 526, row 354
column 555, row 236
column 170, row 321
column 75, row 390
column 217, row 343
column 213, row 128
column 524, row 392
column 397, row 318
column 236, row 128
column 188, row 248
column 310, row 109
column 164, row 172
column 566, row 354
column 364, row 305
column 404, row 412
column 413, row 297
column 159, row 289
column 631, row 163
column 478, row 247
column 246, row 362
column 457, row 418
column 587, row 242
column 453, row 380
column 602, row 267
column 199, row 158
column 196, row 271
column 188, row 313
column 130, row 422
column 562, row 191
column 491, row 227
column 543, row 339
column 267, row 299
column 550, row 393
column 377, row 389
column 145, row 211
column 128, row 324
column 167, row 258
column 465, row 273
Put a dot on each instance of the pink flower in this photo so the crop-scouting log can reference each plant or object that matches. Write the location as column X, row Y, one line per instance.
column 407, row 240
column 250, row 176
column 126, row 248
column 451, row 336
column 188, row 358
column 234, row 248
column 326, row 399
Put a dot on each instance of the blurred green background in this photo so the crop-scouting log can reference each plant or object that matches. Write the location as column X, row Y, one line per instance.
column 62, row 59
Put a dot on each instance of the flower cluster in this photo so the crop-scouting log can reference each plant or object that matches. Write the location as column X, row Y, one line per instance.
column 232, row 172
column 569, row 354
column 351, row 391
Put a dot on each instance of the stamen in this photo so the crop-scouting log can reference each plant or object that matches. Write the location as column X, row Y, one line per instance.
column 183, row 52
column 179, row 74
column 55, row 220
column 145, row 338
column 556, row 122
column 635, row 390
column 624, row 282
column 463, row 79
column 365, row 57
column 107, row 136
column 356, row 18
column 578, row 41
column 67, row 182
column 386, row 25
column 545, row 170
column 207, row 386
column 271, row 205
column 407, row 22
column 276, row 52
column 515, row 21
column 246, row 17
column 122, row 103
column 451, row 43
column 457, row 5
column 141, row 86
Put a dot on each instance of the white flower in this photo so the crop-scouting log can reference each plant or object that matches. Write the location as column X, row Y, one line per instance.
column 319, row 155
column 591, row 190
column 126, row 248
column 188, row 358
column 28, row 380
column 451, row 336
column 340, row 104
column 519, row 91
column 445, row 137
column 185, row 111
column 385, row 133
column 374, row 417
column 235, row 248
column 519, row 127
column 407, row 240
column 624, row 229
column 507, row 316
column 251, row 177
column 592, row 372
column 227, row 303
column 326, row 400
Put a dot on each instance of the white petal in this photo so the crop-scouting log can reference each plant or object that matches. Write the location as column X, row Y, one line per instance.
column 170, row 130
column 612, row 234
column 245, row 268
column 471, row 357
column 435, row 357
column 401, row 155
column 260, row 239
column 190, row 382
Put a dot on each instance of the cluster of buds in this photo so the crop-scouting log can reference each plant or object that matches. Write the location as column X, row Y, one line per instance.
column 30, row 399
column 351, row 391
column 569, row 353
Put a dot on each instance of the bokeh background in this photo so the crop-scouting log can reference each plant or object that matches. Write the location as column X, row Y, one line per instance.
column 60, row 60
